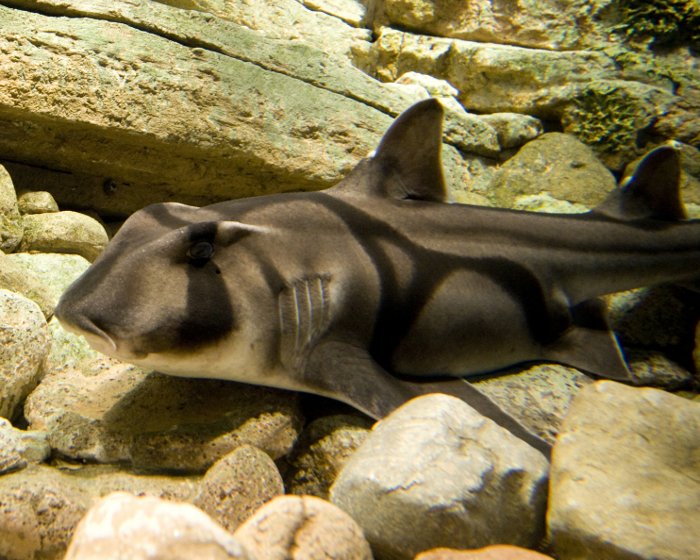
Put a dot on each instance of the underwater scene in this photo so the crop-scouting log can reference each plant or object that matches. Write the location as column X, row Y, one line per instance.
column 349, row 279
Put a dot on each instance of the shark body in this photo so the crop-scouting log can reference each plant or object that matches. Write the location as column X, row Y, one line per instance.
column 376, row 290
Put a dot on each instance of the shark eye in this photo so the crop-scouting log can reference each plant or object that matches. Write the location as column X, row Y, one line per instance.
column 200, row 253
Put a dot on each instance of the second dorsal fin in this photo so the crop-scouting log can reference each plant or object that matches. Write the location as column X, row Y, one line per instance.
column 407, row 163
column 651, row 192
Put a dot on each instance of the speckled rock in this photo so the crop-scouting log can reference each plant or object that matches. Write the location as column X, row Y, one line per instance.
column 302, row 528
column 256, row 104
column 64, row 232
column 68, row 350
column 661, row 317
column 18, row 448
column 557, row 164
column 539, row 396
column 490, row 78
column 48, row 274
column 550, row 24
column 495, row 552
column 654, row 368
column 16, row 278
column 238, row 484
column 107, row 411
column 148, row 528
column 545, row 202
column 11, row 227
column 513, row 129
column 436, row 473
column 24, row 344
column 37, row 202
column 350, row 11
column 324, row 447
column 315, row 22
column 624, row 478
column 40, row 506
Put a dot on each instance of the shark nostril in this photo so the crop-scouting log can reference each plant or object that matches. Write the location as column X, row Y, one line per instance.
column 88, row 326
column 81, row 323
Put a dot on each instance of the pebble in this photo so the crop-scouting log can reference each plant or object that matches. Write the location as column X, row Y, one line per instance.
column 302, row 528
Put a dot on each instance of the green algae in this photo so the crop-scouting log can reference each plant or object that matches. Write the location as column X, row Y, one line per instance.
column 666, row 22
column 604, row 117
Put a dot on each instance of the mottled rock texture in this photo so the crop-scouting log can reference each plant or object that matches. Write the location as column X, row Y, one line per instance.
column 111, row 412
column 41, row 506
column 436, row 473
column 148, row 528
column 302, row 528
column 238, row 484
column 24, row 344
column 624, row 480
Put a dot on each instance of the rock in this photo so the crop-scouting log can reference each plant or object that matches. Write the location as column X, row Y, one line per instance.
column 68, row 350
column 546, row 203
column 608, row 115
column 435, row 87
column 108, row 412
column 14, row 277
column 263, row 115
column 24, row 344
column 302, row 528
column 539, row 396
column 48, row 275
column 19, row 448
column 491, row 78
column 624, row 476
column 350, row 11
column 514, row 130
column 324, row 447
column 238, row 484
column 41, row 506
column 315, row 22
column 653, row 368
column 549, row 25
column 559, row 165
column 11, row 228
column 64, row 232
column 660, row 317
column 144, row 528
column 37, row 202
column 437, row 473
column 495, row 552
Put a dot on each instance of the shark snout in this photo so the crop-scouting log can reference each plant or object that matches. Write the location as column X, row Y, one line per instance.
column 80, row 323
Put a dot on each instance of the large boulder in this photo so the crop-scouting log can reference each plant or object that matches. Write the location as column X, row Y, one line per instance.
column 24, row 345
column 109, row 412
column 11, row 227
column 624, row 480
column 262, row 115
column 437, row 473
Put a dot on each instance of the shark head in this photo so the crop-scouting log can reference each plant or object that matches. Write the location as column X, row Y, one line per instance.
column 157, row 296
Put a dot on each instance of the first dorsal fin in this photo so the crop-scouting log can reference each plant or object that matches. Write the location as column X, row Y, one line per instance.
column 651, row 192
column 407, row 164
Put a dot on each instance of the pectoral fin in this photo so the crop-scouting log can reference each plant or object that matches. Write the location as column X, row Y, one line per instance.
column 589, row 344
column 348, row 373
